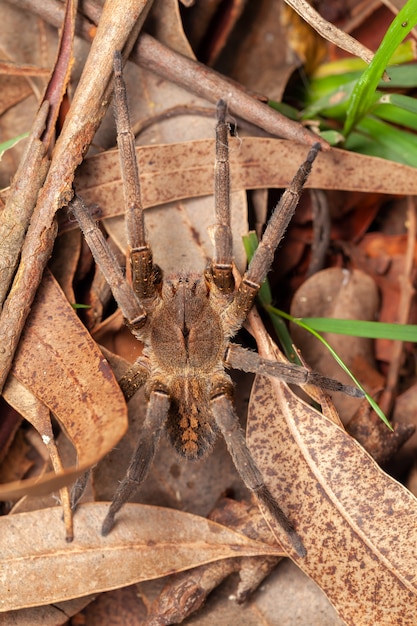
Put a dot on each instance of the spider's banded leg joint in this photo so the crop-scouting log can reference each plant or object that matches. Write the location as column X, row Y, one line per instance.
column 245, row 298
column 146, row 276
column 221, row 386
column 221, row 274
column 134, row 378
column 136, row 324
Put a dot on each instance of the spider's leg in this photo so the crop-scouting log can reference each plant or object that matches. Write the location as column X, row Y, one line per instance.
column 79, row 488
column 221, row 266
column 264, row 255
column 142, row 457
column 134, row 378
column 106, row 260
column 228, row 423
column 241, row 359
column 145, row 275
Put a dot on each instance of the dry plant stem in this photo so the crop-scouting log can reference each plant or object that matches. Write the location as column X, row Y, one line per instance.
column 191, row 75
column 329, row 31
column 15, row 218
column 404, row 306
column 362, row 11
column 87, row 110
column 204, row 82
column 44, row 426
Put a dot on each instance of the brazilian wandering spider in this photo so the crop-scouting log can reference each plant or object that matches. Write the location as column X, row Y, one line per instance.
column 186, row 323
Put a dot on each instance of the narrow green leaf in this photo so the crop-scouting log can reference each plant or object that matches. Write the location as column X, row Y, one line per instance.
column 362, row 328
column 337, row 358
column 333, row 137
column 378, row 138
column 6, row 145
column 362, row 95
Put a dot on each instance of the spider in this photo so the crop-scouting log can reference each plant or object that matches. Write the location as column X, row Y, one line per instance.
column 186, row 323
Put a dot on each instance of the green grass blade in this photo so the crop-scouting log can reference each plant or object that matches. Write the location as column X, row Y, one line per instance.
column 362, row 95
column 6, row 145
column 362, row 328
column 397, row 109
column 336, row 357
column 378, row 138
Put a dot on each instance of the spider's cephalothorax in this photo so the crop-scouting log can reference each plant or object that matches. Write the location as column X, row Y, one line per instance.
column 186, row 323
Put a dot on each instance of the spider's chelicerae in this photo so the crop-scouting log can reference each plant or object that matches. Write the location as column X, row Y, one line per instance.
column 186, row 323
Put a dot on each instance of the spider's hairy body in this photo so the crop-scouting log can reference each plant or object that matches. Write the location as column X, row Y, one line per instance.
column 186, row 347
column 186, row 323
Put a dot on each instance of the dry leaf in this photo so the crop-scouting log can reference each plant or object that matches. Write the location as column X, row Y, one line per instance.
column 357, row 524
column 61, row 364
column 53, row 615
column 40, row 567
column 183, row 170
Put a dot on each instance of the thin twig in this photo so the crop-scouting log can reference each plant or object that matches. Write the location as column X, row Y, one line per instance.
column 205, row 82
column 329, row 31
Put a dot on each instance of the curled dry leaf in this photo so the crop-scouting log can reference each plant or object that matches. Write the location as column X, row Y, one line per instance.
column 61, row 364
column 357, row 524
column 149, row 541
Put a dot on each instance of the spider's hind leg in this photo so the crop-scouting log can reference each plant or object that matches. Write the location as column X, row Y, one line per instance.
column 228, row 423
column 142, row 457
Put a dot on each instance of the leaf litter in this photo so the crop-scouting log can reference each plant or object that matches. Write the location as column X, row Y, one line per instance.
column 344, row 523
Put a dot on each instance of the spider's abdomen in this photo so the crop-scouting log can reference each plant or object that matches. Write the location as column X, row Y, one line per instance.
column 186, row 332
column 190, row 425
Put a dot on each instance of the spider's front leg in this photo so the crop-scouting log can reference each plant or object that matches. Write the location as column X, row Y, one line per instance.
column 221, row 267
column 228, row 423
column 264, row 254
column 145, row 275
